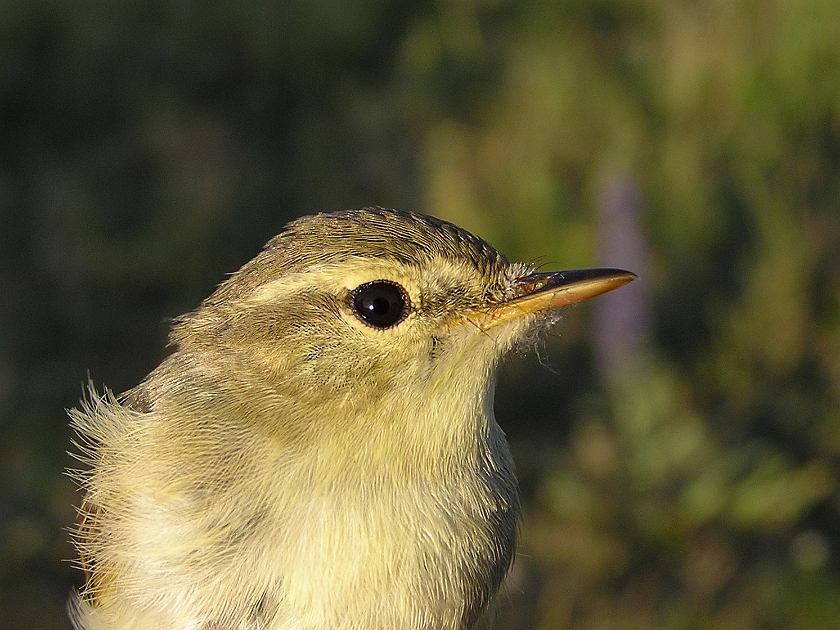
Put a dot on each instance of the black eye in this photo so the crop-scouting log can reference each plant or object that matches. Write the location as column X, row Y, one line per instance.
column 381, row 304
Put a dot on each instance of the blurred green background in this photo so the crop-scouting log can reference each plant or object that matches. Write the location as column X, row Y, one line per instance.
column 677, row 440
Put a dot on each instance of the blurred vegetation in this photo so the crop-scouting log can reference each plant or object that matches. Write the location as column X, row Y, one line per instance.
column 678, row 448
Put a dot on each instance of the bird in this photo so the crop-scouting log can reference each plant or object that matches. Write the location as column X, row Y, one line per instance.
column 319, row 449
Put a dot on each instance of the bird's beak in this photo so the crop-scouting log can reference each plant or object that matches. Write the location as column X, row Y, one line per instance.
column 540, row 292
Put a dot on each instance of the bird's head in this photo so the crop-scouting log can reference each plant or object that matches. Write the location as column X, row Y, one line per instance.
column 361, row 313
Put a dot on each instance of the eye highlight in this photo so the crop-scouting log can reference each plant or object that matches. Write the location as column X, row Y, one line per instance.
column 381, row 304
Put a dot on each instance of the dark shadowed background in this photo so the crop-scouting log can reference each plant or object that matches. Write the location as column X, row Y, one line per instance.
column 677, row 440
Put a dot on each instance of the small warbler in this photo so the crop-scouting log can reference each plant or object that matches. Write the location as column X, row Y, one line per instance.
column 319, row 451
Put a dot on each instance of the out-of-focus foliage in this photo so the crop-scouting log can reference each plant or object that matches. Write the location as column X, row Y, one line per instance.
column 679, row 453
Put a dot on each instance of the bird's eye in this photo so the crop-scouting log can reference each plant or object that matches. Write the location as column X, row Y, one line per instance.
column 381, row 304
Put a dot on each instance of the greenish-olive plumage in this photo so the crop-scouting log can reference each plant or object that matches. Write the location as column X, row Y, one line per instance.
column 292, row 466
